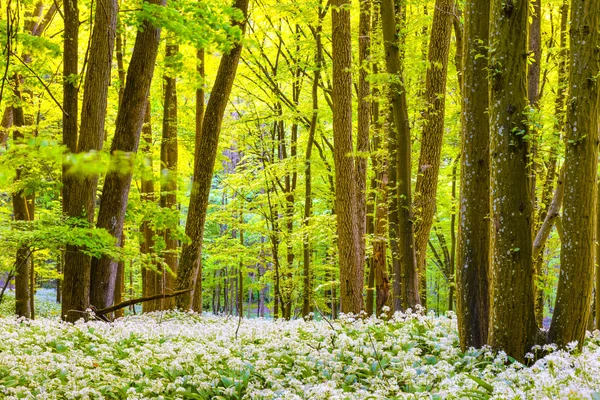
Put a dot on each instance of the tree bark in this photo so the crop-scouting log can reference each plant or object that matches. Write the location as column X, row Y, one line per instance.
column 364, row 121
column 81, row 200
column 406, row 277
column 472, row 276
column 433, row 134
column 347, row 211
column 512, row 326
column 197, row 300
column 190, row 273
column 168, row 158
column 574, row 294
column 128, row 126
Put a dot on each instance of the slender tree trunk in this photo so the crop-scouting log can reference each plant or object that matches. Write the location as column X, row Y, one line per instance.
column 128, row 126
column 512, row 326
column 120, row 286
column 433, row 133
column 151, row 280
column 364, row 122
column 533, row 88
column 169, row 157
column 382, row 282
column 452, row 269
column 190, row 272
column 406, row 277
column 559, row 112
column 197, row 300
column 472, row 276
column 574, row 294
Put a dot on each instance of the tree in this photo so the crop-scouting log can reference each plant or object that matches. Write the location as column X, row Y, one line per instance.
column 433, row 133
column 128, row 126
column 169, row 157
column 472, row 277
column 401, row 230
column 347, row 212
column 574, row 294
column 80, row 190
column 190, row 269
column 512, row 326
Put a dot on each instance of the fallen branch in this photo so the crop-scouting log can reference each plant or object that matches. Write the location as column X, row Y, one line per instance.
column 139, row 300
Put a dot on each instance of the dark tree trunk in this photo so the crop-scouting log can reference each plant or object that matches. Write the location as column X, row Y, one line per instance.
column 472, row 276
column 81, row 200
column 574, row 294
column 406, row 277
column 512, row 326
column 168, row 158
column 128, row 126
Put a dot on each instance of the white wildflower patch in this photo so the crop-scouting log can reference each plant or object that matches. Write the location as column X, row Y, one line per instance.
column 178, row 355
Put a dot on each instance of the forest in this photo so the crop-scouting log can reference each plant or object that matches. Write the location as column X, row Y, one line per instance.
column 301, row 199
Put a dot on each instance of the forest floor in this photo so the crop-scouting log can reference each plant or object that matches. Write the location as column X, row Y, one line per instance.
column 174, row 355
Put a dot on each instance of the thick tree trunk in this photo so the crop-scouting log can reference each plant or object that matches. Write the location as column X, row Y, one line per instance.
column 76, row 288
column 347, row 210
column 128, row 126
column 574, row 294
column 512, row 326
column 190, row 272
column 406, row 277
column 23, row 210
column 81, row 200
column 433, row 134
column 472, row 277
column 168, row 158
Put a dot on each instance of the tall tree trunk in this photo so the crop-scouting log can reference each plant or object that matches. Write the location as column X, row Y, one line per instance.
column 197, row 300
column 472, row 276
column 76, row 288
column 128, row 126
column 433, row 133
column 364, row 121
column 406, row 277
column 597, row 297
column 151, row 280
column 559, row 113
column 452, row 269
column 382, row 282
column 168, row 158
column 512, row 327
column 574, row 294
column 533, row 88
column 204, row 161
column 81, row 201
column 306, row 291
column 23, row 210
column 347, row 210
